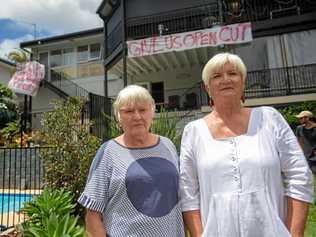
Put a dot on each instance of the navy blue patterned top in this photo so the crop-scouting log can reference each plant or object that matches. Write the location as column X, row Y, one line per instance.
column 136, row 190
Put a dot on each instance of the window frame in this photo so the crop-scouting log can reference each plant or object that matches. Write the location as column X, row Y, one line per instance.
column 99, row 55
column 62, row 50
column 89, row 58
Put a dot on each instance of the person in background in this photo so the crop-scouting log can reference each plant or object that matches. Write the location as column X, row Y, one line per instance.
column 306, row 132
column 242, row 171
column 132, row 188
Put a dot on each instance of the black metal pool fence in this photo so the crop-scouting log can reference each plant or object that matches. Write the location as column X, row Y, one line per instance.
column 21, row 178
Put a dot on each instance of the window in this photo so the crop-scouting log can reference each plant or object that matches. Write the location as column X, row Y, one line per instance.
column 55, row 58
column 68, row 56
column 95, row 51
column 88, row 52
column 62, row 57
column 82, row 53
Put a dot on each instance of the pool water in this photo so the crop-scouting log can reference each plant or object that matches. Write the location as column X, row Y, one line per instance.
column 10, row 202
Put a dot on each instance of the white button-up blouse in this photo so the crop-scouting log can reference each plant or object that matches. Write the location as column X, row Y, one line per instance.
column 240, row 184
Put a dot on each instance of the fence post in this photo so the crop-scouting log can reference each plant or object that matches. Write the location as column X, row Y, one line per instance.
column 287, row 81
column 90, row 110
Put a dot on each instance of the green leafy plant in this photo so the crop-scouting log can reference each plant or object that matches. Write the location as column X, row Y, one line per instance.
column 57, row 227
column 67, row 165
column 49, row 201
column 51, row 215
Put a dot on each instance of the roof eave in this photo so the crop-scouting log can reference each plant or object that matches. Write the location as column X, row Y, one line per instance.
column 7, row 63
column 57, row 38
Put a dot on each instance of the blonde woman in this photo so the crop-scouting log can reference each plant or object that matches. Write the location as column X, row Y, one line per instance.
column 132, row 189
column 243, row 173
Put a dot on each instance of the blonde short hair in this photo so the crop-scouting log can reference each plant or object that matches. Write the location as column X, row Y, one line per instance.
column 131, row 95
column 218, row 61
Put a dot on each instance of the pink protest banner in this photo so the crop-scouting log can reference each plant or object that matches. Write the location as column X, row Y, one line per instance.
column 217, row 35
column 27, row 78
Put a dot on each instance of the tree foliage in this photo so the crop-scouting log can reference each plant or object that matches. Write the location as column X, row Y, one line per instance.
column 8, row 106
column 290, row 111
column 18, row 56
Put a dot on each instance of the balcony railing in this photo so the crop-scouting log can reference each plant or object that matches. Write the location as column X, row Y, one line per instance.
column 259, row 84
column 186, row 98
column 255, row 10
column 171, row 22
column 61, row 81
column 281, row 81
column 228, row 12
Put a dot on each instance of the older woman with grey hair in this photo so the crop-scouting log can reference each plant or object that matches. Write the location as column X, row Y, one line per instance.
column 242, row 172
column 132, row 188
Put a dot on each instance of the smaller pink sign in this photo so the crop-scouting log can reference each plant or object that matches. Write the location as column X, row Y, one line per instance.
column 27, row 78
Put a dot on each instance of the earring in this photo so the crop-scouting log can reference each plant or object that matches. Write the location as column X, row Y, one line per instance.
column 211, row 102
column 242, row 98
column 204, row 87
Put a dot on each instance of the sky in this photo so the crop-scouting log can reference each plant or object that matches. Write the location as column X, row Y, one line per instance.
column 21, row 20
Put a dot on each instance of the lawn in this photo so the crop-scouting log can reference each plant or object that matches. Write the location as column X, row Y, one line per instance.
column 310, row 230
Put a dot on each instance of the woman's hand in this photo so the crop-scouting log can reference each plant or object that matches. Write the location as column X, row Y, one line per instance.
column 94, row 224
column 192, row 221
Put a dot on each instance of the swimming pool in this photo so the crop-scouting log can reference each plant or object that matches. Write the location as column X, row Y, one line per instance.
column 12, row 202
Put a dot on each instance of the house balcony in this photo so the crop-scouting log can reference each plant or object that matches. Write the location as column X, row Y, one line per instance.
column 268, row 17
column 75, row 80
column 80, row 70
column 219, row 12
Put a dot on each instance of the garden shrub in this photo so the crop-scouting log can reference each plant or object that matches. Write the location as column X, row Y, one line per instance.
column 9, row 132
column 67, row 164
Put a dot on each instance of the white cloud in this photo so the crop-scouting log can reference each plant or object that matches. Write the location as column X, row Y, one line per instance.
column 56, row 16
column 7, row 46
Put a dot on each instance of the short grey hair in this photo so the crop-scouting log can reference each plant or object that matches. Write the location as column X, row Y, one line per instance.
column 218, row 61
column 131, row 95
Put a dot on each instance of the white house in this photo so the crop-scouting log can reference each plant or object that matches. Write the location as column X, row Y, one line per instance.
column 164, row 46
column 73, row 67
